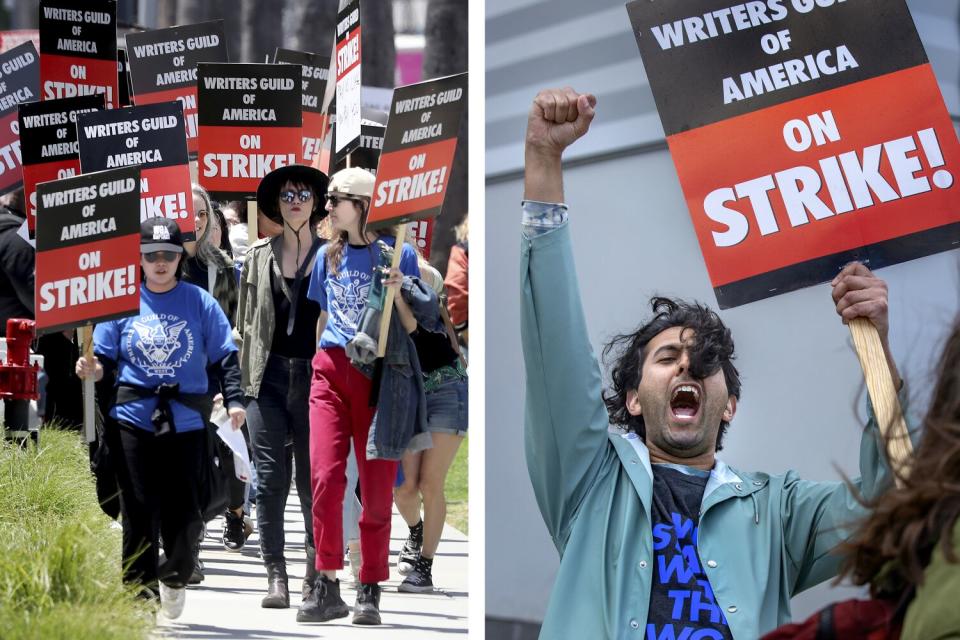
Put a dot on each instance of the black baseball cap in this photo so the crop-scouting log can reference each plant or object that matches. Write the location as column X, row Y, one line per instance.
column 160, row 234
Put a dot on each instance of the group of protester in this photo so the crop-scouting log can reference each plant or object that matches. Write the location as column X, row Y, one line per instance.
column 282, row 337
column 688, row 546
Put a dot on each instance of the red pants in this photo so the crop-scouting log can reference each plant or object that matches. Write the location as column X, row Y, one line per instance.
column 339, row 410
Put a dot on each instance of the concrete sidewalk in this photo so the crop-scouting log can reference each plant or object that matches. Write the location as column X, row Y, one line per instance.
column 227, row 604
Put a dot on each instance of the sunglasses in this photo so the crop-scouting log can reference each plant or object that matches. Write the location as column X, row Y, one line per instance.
column 335, row 200
column 166, row 256
column 303, row 195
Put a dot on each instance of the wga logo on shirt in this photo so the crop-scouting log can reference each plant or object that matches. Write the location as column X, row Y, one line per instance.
column 161, row 345
column 350, row 291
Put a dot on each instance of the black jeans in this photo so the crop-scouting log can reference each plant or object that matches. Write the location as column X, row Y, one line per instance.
column 158, row 479
column 279, row 424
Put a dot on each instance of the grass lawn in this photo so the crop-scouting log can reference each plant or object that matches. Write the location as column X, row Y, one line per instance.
column 59, row 557
column 457, row 490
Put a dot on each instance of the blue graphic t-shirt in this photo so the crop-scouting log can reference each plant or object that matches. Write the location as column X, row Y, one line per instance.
column 177, row 334
column 344, row 296
column 681, row 600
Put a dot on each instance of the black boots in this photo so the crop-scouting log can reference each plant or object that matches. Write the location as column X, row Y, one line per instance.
column 310, row 578
column 324, row 603
column 367, row 609
column 278, row 594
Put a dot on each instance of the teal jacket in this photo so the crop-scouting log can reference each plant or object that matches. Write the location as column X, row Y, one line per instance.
column 762, row 538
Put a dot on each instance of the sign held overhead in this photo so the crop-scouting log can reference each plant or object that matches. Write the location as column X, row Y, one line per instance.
column 418, row 150
column 151, row 136
column 88, row 249
column 250, row 124
column 78, row 47
column 163, row 66
column 844, row 149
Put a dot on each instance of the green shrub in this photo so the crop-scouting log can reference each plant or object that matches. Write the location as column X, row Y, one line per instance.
column 59, row 557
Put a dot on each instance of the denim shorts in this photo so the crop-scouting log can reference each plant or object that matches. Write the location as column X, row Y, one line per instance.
column 447, row 408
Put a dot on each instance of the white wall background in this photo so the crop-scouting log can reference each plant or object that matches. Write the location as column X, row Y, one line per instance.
column 802, row 386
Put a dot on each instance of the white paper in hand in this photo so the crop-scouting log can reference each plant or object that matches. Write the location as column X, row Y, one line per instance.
column 234, row 440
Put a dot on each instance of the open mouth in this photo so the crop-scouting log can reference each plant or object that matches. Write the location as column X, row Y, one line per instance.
column 685, row 401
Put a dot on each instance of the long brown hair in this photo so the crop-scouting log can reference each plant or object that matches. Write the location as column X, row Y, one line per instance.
column 893, row 545
column 339, row 242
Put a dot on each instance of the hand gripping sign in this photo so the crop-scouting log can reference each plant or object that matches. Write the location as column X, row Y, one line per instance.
column 315, row 73
column 843, row 149
column 151, row 136
column 250, row 124
column 19, row 83
column 78, row 49
column 418, row 150
column 163, row 66
column 88, row 249
column 48, row 142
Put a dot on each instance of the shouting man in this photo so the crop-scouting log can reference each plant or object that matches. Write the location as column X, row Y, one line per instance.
column 658, row 538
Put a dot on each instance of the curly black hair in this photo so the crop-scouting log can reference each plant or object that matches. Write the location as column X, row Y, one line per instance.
column 712, row 349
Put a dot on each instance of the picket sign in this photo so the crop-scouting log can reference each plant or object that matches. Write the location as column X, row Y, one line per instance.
column 886, row 406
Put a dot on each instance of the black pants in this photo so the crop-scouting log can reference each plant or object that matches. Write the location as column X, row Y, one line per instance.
column 279, row 423
column 158, row 480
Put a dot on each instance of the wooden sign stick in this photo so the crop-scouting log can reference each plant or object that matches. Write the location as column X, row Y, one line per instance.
column 251, row 222
column 886, row 406
column 388, row 299
column 85, row 336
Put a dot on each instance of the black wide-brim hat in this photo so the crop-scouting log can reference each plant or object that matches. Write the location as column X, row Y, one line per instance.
column 268, row 192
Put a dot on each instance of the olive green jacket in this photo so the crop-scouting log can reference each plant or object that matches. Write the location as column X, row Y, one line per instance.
column 762, row 538
column 934, row 614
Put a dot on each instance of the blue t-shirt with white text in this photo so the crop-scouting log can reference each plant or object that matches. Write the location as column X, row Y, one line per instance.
column 176, row 336
column 344, row 296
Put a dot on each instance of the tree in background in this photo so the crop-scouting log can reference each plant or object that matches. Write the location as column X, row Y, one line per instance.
column 445, row 53
column 314, row 24
column 378, row 51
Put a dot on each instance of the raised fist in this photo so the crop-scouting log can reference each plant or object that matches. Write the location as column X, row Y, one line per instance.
column 558, row 117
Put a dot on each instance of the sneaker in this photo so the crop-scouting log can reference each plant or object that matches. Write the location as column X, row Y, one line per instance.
column 171, row 601
column 234, row 531
column 411, row 550
column 367, row 609
column 324, row 602
column 420, row 580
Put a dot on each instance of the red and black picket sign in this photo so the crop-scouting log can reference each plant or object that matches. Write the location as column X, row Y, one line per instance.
column 806, row 134
column 48, row 143
column 88, row 249
column 163, row 66
column 349, row 80
column 250, row 124
column 316, row 69
column 418, row 150
column 151, row 136
column 78, row 49
column 19, row 83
